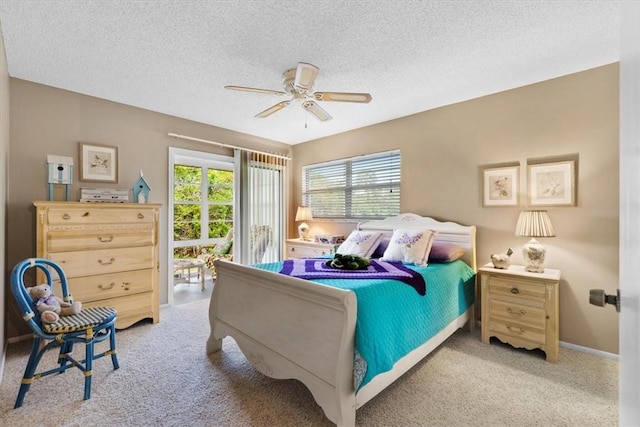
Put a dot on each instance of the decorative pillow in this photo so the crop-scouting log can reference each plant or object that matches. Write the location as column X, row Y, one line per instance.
column 445, row 252
column 361, row 243
column 410, row 245
column 222, row 248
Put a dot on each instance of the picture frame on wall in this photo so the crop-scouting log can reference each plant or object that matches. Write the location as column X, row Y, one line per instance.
column 552, row 184
column 500, row 186
column 98, row 162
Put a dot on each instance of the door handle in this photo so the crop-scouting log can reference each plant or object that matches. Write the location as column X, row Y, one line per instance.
column 599, row 298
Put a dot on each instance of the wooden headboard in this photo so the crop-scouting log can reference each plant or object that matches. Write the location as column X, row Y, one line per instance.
column 461, row 235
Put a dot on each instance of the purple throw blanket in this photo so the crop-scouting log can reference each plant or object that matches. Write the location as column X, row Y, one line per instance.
column 316, row 268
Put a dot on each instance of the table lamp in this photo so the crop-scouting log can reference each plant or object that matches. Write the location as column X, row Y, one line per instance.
column 303, row 214
column 534, row 224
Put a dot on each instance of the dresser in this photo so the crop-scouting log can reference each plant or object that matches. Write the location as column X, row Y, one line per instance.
column 297, row 248
column 108, row 251
column 521, row 308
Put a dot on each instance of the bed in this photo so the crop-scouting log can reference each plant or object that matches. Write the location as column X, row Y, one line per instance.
column 288, row 327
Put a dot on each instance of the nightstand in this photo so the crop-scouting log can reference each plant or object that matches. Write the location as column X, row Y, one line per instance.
column 297, row 248
column 521, row 308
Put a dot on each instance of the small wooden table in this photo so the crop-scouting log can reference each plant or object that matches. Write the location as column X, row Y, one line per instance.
column 182, row 270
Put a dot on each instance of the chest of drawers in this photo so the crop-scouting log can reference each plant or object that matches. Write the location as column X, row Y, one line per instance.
column 521, row 308
column 109, row 253
column 297, row 248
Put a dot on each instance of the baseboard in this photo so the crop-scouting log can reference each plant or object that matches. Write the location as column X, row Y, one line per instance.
column 19, row 338
column 589, row 350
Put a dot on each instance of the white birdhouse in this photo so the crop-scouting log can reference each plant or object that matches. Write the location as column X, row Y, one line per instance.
column 60, row 172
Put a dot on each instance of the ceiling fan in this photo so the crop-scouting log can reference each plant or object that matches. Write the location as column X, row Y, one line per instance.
column 298, row 82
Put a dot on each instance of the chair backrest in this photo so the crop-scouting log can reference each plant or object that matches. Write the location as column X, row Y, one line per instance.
column 261, row 237
column 26, row 304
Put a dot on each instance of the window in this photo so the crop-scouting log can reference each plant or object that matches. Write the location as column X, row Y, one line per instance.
column 364, row 187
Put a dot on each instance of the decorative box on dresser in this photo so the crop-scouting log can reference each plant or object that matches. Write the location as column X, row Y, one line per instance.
column 521, row 308
column 108, row 251
column 297, row 248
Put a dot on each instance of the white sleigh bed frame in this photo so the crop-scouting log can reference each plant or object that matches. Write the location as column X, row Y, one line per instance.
column 293, row 328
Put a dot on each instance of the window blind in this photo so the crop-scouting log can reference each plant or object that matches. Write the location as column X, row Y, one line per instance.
column 364, row 187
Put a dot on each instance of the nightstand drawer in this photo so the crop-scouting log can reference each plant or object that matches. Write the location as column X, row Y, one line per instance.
column 516, row 287
column 519, row 331
column 509, row 312
column 301, row 252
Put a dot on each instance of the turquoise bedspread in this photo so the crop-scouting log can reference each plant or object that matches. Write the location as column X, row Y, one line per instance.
column 393, row 319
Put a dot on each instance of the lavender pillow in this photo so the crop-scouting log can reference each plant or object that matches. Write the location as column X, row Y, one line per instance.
column 445, row 252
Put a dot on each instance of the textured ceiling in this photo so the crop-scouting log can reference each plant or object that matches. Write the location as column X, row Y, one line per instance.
column 174, row 57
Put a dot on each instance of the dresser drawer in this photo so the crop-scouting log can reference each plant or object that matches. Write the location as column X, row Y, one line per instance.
column 91, row 263
column 64, row 241
column 114, row 285
column 516, row 287
column 96, row 214
column 518, row 330
column 523, row 314
column 129, row 310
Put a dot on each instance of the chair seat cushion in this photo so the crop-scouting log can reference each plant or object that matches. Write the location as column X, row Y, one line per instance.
column 87, row 318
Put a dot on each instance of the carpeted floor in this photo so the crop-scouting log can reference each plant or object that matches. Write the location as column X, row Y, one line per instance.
column 166, row 379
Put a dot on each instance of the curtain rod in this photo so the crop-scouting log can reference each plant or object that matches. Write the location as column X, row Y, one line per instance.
column 190, row 138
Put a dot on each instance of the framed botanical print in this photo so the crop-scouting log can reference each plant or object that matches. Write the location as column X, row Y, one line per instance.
column 552, row 184
column 500, row 186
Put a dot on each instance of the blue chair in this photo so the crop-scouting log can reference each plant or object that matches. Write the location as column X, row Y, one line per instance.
column 90, row 326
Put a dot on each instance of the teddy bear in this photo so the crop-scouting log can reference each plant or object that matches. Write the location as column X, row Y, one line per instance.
column 348, row 262
column 50, row 306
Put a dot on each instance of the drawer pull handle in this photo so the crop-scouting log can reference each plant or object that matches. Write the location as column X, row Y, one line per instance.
column 293, row 249
column 514, row 290
column 85, row 214
column 140, row 216
column 517, row 330
column 105, row 239
column 66, row 216
column 516, row 313
column 125, row 285
column 105, row 288
column 111, row 261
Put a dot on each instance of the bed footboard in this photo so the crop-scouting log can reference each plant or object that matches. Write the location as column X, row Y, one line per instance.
column 289, row 328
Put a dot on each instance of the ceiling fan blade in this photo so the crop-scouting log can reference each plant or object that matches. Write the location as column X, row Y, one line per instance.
column 254, row 89
column 305, row 76
column 342, row 97
column 316, row 110
column 274, row 108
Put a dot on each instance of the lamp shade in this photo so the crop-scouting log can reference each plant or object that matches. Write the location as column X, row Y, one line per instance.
column 304, row 214
column 534, row 224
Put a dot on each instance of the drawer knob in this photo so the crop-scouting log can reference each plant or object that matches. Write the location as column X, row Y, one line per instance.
column 514, row 290
column 86, row 214
column 105, row 239
column 103, row 262
column 106, row 288
column 517, row 330
column 140, row 216
column 516, row 313
column 66, row 216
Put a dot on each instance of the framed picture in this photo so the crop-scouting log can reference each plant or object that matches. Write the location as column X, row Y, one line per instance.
column 552, row 184
column 500, row 186
column 98, row 163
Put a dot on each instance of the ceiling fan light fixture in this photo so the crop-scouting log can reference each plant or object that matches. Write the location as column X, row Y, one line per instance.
column 305, row 76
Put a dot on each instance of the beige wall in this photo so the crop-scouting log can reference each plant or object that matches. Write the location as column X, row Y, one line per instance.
column 443, row 149
column 4, row 152
column 45, row 120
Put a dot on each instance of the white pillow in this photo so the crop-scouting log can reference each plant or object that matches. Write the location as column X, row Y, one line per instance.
column 410, row 245
column 361, row 243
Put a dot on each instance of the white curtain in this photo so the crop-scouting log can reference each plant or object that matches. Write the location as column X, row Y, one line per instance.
column 261, row 207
